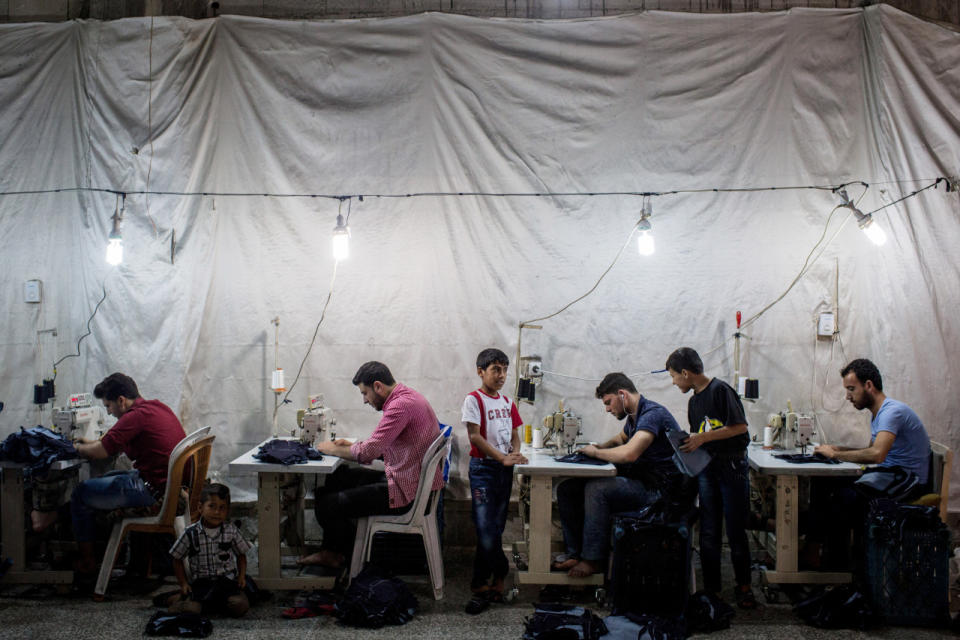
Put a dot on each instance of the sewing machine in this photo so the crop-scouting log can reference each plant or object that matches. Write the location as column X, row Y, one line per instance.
column 79, row 420
column 563, row 429
column 315, row 421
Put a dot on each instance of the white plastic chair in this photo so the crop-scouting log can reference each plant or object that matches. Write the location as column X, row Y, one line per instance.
column 197, row 446
column 420, row 519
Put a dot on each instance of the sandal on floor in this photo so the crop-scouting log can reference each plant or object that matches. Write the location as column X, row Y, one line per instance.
column 745, row 597
column 478, row 604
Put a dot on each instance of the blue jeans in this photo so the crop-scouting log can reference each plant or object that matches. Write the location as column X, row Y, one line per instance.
column 586, row 506
column 724, row 495
column 116, row 490
column 490, row 485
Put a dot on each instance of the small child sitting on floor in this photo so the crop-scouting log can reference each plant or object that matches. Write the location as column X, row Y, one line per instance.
column 218, row 563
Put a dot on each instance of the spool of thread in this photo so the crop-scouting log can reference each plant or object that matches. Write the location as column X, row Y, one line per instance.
column 768, row 437
column 276, row 381
column 527, row 433
column 538, row 439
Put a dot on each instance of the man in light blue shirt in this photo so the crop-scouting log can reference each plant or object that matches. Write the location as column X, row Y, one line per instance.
column 897, row 437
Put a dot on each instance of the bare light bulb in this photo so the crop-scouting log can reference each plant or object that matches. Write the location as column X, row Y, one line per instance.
column 874, row 231
column 115, row 250
column 341, row 240
column 645, row 246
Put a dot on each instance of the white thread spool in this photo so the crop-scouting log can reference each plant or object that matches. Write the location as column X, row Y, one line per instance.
column 768, row 437
column 538, row 439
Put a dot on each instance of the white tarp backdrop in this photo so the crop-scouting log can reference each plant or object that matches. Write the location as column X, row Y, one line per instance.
column 436, row 102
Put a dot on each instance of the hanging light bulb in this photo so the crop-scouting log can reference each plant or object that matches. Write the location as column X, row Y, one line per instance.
column 341, row 240
column 873, row 230
column 645, row 244
column 866, row 222
column 115, row 242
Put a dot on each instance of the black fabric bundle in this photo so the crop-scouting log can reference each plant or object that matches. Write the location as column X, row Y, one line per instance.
column 38, row 448
column 286, row 452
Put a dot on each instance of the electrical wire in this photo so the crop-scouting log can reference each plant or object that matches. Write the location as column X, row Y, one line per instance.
column 632, row 375
column 89, row 331
column 316, row 330
column 909, row 195
column 436, row 194
column 616, row 259
column 146, row 201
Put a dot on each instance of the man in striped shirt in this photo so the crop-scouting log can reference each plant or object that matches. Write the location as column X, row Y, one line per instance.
column 405, row 432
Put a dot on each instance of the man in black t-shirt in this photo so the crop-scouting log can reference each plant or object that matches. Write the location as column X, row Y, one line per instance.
column 718, row 424
column 646, row 473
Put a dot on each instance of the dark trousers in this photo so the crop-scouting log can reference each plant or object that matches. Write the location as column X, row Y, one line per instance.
column 350, row 493
column 490, row 485
column 838, row 510
column 724, row 495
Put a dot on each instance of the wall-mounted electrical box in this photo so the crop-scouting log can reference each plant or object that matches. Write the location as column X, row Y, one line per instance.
column 32, row 291
column 826, row 325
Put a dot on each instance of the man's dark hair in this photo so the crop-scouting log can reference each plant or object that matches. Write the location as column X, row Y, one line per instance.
column 114, row 386
column 373, row 371
column 221, row 491
column 488, row 357
column 613, row 382
column 685, row 358
column 864, row 370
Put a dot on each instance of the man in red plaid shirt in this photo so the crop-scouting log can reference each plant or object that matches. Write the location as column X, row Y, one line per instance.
column 404, row 434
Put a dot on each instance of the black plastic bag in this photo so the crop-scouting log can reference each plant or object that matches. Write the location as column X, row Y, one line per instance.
column 184, row 625
column 373, row 601
column 552, row 621
column 706, row 612
column 840, row 607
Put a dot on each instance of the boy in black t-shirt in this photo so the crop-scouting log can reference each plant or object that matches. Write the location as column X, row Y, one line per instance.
column 718, row 424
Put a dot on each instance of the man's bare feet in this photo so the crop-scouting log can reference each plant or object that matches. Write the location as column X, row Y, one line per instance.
column 324, row 557
column 583, row 569
column 566, row 565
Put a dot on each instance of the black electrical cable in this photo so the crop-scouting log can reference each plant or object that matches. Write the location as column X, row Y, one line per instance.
column 441, row 194
column 89, row 331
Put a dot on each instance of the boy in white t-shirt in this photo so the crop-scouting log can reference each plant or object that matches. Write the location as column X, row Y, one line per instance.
column 492, row 420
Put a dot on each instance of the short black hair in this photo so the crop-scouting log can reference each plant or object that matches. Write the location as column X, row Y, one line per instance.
column 373, row 371
column 864, row 370
column 613, row 382
column 221, row 491
column 685, row 358
column 488, row 357
column 114, row 386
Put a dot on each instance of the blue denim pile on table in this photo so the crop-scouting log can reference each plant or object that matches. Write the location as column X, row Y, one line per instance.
column 286, row 452
column 38, row 448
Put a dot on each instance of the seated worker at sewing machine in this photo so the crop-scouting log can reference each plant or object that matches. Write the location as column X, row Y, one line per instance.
column 405, row 431
column 645, row 473
column 897, row 439
column 147, row 431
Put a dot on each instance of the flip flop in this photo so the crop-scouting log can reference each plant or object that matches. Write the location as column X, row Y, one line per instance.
column 745, row 598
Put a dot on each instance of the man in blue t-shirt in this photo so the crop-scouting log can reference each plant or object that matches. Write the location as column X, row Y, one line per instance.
column 645, row 473
column 897, row 437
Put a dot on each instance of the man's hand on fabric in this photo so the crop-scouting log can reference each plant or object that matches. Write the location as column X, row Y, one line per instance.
column 694, row 442
column 826, row 450
column 590, row 450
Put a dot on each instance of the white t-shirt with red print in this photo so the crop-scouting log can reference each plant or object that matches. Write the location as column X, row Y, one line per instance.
column 497, row 417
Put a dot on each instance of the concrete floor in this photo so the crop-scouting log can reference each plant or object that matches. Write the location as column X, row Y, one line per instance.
column 38, row 612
